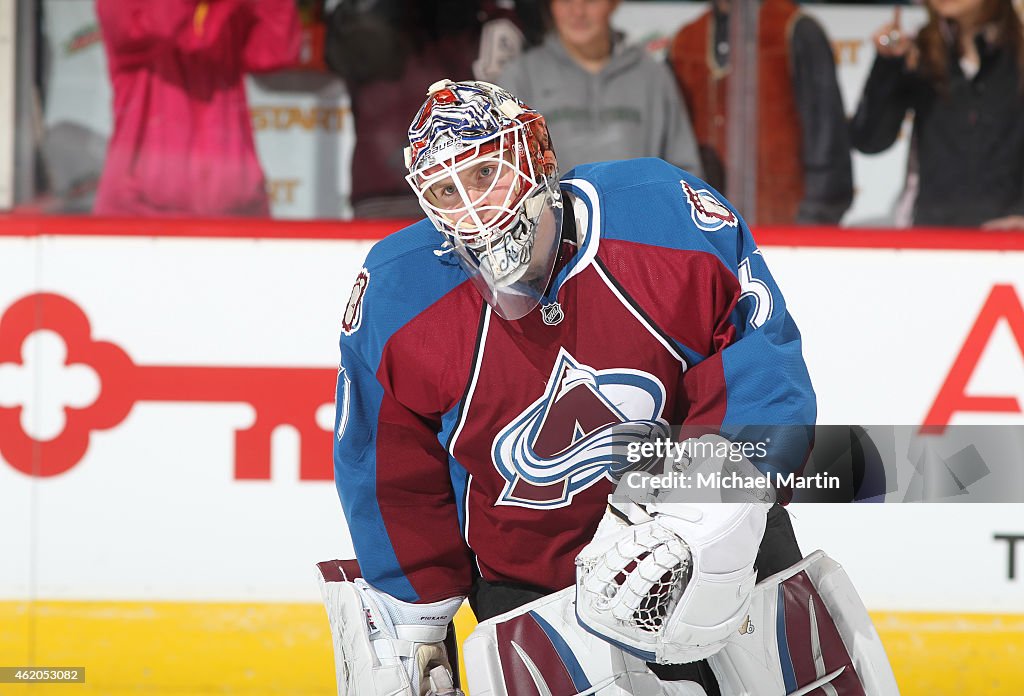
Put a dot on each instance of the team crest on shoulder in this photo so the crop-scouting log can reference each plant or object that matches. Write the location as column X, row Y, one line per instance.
column 353, row 316
column 706, row 210
column 577, row 433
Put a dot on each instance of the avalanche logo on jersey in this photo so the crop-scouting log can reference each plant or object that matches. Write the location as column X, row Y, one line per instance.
column 706, row 211
column 577, row 433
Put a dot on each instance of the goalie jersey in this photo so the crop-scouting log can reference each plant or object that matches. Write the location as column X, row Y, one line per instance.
column 465, row 443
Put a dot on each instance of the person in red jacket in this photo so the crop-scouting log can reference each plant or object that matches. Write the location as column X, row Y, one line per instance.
column 182, row 141
column 803, row 168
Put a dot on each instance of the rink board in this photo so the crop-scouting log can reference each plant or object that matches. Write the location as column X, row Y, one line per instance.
column 174, row 553
column 186, row 649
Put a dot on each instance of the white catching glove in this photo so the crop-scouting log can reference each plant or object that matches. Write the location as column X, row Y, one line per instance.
column 669, row 581
column 634, row 574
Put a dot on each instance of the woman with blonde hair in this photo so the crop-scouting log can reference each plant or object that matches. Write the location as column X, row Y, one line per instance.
column 963, row 77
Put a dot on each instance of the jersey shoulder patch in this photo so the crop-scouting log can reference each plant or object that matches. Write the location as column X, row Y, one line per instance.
column 707, row 212
column 353, row 317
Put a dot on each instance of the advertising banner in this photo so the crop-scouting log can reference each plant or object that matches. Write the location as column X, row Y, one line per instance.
column 166, row 415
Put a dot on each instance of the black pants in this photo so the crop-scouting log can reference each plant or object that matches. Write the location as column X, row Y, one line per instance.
column 778, row 551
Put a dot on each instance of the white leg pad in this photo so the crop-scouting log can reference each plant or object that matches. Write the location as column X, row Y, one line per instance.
column 541, row 648
column 807, row 631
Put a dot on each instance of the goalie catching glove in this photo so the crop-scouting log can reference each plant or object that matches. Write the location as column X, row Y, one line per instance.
column 671, row 588
column 666, row 580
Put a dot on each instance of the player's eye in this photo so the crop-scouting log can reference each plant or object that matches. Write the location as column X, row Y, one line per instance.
column 444, row 191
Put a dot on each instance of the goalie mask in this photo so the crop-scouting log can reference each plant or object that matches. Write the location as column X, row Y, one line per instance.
column 481, row 164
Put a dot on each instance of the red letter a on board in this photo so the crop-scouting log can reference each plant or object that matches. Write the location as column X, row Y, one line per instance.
column 1002, row 303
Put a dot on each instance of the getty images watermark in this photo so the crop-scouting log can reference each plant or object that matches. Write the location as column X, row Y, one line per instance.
column 711, row 468
column 826, row 463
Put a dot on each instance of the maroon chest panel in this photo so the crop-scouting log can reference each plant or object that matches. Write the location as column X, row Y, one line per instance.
column 536, row 433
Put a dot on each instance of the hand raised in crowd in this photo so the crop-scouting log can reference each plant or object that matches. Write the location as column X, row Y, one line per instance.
column 891, row 42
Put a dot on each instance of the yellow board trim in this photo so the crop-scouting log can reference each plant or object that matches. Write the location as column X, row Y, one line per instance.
column 200, row 649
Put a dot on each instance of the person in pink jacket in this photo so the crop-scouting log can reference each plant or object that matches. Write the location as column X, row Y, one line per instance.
column 182, row 141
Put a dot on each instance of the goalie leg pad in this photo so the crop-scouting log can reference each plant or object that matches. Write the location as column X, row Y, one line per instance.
column 807, row 631
column 382, row 646
column 540, row 648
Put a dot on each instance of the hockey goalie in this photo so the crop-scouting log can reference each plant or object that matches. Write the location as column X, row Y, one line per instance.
column 500, row 360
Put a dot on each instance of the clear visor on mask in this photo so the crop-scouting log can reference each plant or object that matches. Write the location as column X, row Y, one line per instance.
column 513, row 273
column 503, row 223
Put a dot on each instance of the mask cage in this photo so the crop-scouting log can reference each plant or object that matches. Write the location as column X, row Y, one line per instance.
column 466, row 217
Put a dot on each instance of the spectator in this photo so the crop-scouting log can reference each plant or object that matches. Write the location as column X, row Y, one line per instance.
column 604, row 99
column 389, row 52
column 183, row 141
column 963, row 76
column 804, row 174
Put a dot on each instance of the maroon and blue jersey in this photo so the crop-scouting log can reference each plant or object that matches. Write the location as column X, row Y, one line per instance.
column 466, row 443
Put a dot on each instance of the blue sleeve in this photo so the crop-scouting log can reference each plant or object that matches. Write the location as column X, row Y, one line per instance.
column 768, row 389
column 390, row 469
column 770, row 397
column 357, row 404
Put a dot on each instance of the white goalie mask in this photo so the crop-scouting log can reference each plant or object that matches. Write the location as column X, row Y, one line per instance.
column 482, row 167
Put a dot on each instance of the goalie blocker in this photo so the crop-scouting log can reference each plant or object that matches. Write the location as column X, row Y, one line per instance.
column 806, row 631
column 383, row 646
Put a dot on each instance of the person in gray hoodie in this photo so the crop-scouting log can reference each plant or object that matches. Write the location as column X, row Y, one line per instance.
column 603, row 99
